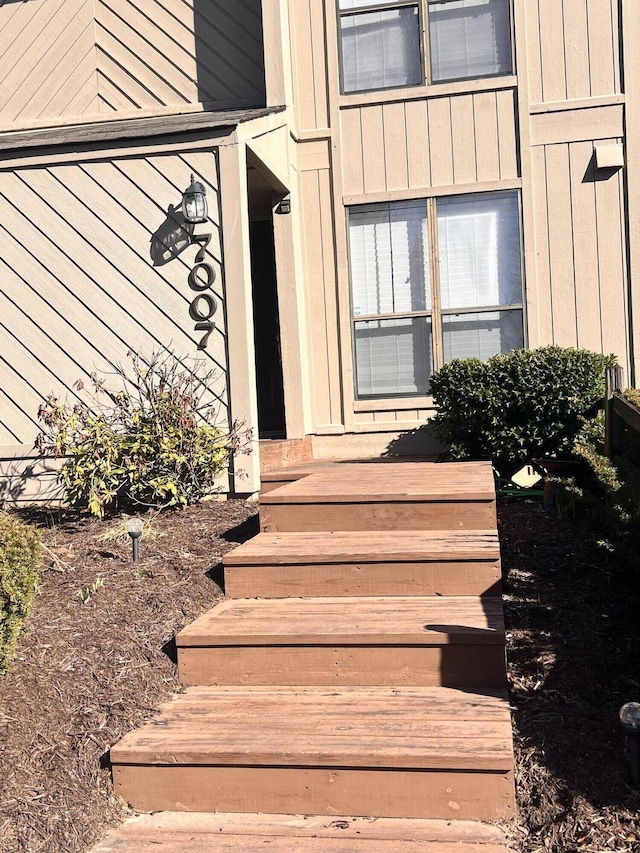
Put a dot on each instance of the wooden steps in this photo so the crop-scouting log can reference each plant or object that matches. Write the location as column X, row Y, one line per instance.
column 406, row 496
column 358, row 668
column 364, row 563
column 177, row 832
column 435, row 641
column 355, row 750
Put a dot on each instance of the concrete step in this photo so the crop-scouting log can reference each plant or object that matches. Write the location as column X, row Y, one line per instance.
column 433, row 753
column 357, row 563
column 422, row 641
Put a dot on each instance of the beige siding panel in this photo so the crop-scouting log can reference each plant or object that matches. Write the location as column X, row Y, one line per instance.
column 542, row 315
column 603, row 47
column 576, row 49
column 554, row 77
column 321, row 298
column 577, row 125
column 585, row 247
column 373, row 150
column 313, row 156
column 80, row 285
column 441, row 142
column 303, row 81
column 505, row 105
column 560, row 245
column 612, row 267
column 47, row 60
column 531, row 13
column 352, row 162
column 418, row 144
column 395, row 146
column 319, row 61
column 486, row 136
column 463, row 134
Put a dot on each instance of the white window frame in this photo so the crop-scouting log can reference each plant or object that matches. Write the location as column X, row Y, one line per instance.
column 425, row 52
column 435, row 313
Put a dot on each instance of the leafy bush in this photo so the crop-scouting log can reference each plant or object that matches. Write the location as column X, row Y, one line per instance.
column 154, row 442
column 516, row 407
column 20, row 559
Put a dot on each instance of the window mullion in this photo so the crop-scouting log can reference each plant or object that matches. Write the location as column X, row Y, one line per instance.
column 434, row 271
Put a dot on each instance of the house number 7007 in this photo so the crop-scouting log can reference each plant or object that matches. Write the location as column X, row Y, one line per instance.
column 201, row 279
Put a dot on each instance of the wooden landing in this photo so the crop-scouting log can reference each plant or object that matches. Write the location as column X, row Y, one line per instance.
column 401, row 496
column 176, row 832
column 276, row 477
column 448, row 641
column 406, row 752
column 361, row 563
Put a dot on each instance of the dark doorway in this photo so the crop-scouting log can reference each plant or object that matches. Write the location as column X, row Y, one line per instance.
column 266, row 324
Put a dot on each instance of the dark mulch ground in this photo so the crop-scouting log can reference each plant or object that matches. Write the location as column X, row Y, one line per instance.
column 89, row 672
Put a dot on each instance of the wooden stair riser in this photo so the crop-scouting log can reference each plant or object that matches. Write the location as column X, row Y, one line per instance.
column 363, row 579
column 459, row 666
column 397, row 515
column 442, row 794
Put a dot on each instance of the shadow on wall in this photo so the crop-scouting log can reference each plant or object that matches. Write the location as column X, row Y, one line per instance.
column 229, row 53
column 29, row 479
column 413, row 442
column 171, row 238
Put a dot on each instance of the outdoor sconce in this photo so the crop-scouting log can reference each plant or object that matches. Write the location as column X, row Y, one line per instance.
column 194, row 202
column 134, row 529
column 630, row 720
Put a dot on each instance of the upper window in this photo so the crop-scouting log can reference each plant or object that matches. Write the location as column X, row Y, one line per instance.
column 409, row 315
column 382, row 45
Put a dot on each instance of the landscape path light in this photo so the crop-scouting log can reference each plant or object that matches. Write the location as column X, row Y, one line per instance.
column 630, row 720
column 194, row 202
column 134, row 529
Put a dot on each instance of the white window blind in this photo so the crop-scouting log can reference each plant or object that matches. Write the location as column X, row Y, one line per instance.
column 381, row 50
column 481, row 335
column 469, row 38
column 393, row 357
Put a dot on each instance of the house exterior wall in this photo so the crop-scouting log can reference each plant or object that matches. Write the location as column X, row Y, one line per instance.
column 66, row 61
column 534, row 132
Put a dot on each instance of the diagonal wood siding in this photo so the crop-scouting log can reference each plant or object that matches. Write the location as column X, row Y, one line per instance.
column 163, row 53
column 66, row 59
column 47, row 60
column 78, row 287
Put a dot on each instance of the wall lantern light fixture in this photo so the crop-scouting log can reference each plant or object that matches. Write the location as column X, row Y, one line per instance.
column 194, row 202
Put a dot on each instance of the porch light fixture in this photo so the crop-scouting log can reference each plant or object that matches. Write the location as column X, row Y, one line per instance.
column 134, row 529
column 630, row 721
column 194, row 202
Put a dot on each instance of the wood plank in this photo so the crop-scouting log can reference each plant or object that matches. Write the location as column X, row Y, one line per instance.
column 440, row 142
column 462, row 666
column 417, row 143
column 612, row 266
column 576, row 48
column 392, row 793
column 486, row 136
column 542, row 315
column 374, row 546
column 352, row 164
column 601, row 47
column 395, row 146
column 463, row 135
column 373, row 149
column 200, row 832
column 505, row 105
column 552, row 26
column 356, row 579
column 409, row 620
column 317, row 826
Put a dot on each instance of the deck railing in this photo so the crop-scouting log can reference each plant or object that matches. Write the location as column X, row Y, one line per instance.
column 622, row 421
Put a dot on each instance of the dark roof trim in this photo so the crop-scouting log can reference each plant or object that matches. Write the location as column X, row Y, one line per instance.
column 135, row 128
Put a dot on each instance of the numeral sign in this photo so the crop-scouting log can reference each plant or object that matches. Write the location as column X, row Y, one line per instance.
column 201, row 279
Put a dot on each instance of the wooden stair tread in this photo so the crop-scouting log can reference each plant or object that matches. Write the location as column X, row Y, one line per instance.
column 413, row 482
column 413, row 620
column 376, row 546
column 411, row 728
column 242, row 833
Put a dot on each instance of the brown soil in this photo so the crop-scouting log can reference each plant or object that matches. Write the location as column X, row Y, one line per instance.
column 89, row 672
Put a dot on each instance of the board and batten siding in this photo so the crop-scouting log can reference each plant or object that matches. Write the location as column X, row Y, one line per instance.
column 92, row 266
column 75, row 60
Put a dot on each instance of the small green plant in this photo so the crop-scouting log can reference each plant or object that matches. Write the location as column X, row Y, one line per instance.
column 87, row 594
column 20, row 562
column 152, row 442
column 516, row 407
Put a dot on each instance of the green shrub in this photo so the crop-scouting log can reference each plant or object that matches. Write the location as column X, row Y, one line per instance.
column 20, row 559
column 153, row 442
column 516, row 407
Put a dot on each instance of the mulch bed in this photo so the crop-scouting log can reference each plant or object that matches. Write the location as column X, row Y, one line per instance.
column 98, row 656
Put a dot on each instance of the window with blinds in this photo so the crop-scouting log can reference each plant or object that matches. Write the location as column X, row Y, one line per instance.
column 410, row 316
column 382, row 44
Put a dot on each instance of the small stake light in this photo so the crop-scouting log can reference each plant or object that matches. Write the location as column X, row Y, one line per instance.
column 194, row 202
column 630, row 720
column 134, row 529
